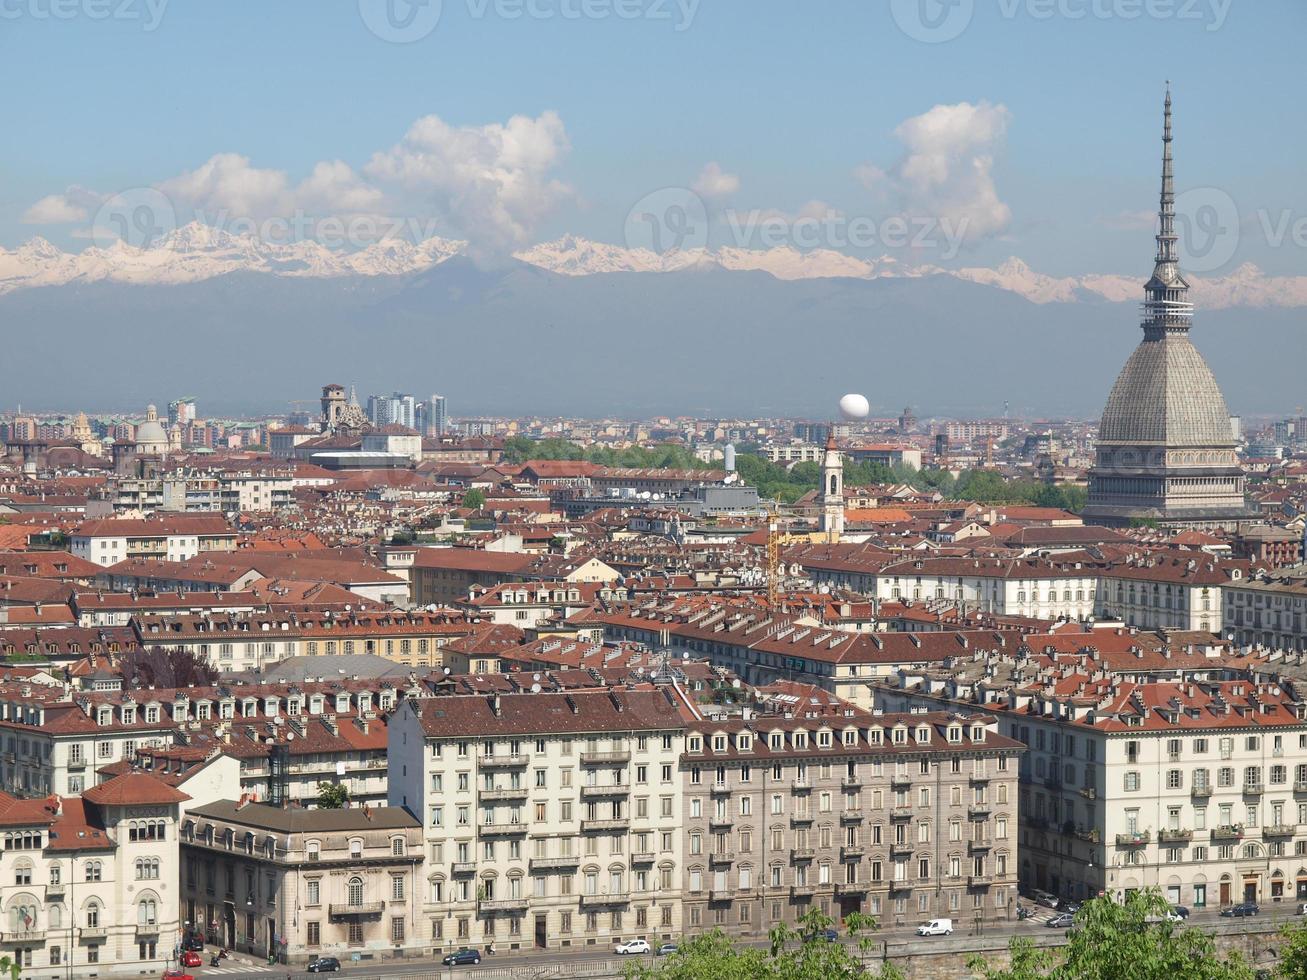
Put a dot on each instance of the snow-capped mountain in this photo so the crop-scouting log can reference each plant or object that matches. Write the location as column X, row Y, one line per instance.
column 197, row 252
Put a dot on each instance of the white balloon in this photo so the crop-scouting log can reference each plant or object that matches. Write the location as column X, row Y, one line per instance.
column 853, row 406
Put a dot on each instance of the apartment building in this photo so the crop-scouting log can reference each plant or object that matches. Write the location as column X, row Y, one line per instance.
column 550, row 820
column 296, row 884
column 171, row 538
column 1198, row 788
column 1272, row 614
column 1014, row 587
column 88, row 882
column 904, row 817
column 1181, row 592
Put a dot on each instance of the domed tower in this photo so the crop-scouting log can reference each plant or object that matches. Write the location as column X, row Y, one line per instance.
column 1166, row 451
column 832, row 491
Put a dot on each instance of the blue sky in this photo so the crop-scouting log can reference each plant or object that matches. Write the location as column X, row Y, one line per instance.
column 794, row 103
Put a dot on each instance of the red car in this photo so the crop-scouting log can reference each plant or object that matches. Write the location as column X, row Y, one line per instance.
column 191, row 958
column 177, row 975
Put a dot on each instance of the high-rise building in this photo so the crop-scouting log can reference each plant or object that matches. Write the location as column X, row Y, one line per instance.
column 1165, row 450
column 437, row 416
column 182, row 411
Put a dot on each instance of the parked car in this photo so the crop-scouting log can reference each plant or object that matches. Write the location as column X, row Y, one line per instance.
column 1302, row 908
column 177, row 975
column 191, row 958
column 1063, row 920
column 462, row 957
column 324, row 964
column 632, row 946
column 1070, row 906
column 936, row 927
column 1044, row 898
column 666, row 949
column 826, row 935
column 195, row 943
column 1240, row 911
column 1180, row 911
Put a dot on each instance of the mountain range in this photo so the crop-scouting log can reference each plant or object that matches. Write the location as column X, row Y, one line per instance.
column 197, row 252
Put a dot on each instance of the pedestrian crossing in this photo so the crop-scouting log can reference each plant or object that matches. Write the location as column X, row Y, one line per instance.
column 209, row 971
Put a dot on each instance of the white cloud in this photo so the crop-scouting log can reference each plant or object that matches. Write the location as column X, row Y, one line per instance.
column 946, row 170
column 491, row 182
column 72, row 205
column 1130, row 221
column 713, row 182
column 227, row 184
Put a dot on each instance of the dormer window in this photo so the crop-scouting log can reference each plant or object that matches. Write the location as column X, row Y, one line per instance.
column 744, row 742
column 800, row 740
column 900, row 736
column 776, row 741
column 823, row 739
column 955, row 733
column 923, row 734
column 694, row 744
column 850, row 736
column 875, row 736
column 342, row 703
column 104, row 716
column 977, row 733
column 719, row 743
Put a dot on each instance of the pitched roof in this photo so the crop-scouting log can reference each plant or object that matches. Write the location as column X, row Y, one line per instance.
column 135, row 787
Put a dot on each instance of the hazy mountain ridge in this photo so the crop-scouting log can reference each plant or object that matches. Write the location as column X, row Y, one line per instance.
column 196, row 252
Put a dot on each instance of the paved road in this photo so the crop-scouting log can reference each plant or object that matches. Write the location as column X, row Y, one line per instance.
column 551, row 963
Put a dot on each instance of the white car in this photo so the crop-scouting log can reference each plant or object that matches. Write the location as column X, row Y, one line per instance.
column 632, row 946
column 936, row 927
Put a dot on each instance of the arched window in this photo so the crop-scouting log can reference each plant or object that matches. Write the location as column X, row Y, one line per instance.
column 93, row 914
column 356, row 891
column 147, row 912
column 22, row 915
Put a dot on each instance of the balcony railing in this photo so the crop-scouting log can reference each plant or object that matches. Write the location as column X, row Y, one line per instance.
column 495, row 795
column 362, row 908
column 800, row 818
column 980, row 844
column 852, row 888
column 462, row 869
column 608, row 898
column 901, row 813
column 1253, row 789
column 1280, row 830
column 502, row 829
column 1089, row 792
column 642, row 857
column 978, row 810
column 851, row 815
column 1174, row 836
column 555, row 863
column 902, row 847
column 1228, row 831
column 93, row 932
column 852, row 852
column 503, row 904
column 803, row 891
column 602, row 792
column 1300, row 785
column 720, row 822
column 600, row 826
column 851, row 782
column 1087, row 834
column 900, row 782
column 26, row 936
column 802, row 853
column 901, row 884
column 502, row 761
column 979, row 881
column 1135, row 838
column 721, row 895
column 1201, row 791
column 605, row 758
column 721, row 857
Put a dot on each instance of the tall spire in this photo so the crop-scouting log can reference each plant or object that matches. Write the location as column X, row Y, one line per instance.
column 1166, row 306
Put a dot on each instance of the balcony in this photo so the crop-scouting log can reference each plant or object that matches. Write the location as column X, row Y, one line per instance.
column 502, row 762
column 363, row 908
column 720, row 822
column 1201, row 792
column 463, row 869
column 851, row 815
column 902, row 847
column 1088, row 792
column 721, row 857
column 1228, row 832
column 901, row 885
column 1135, row 838
column 502, row 830
column 560, row 863
column 852, row 852
column 605, row 758
column 642, row 857
column 1087, row 834
column 800, row 819
column 901, row 813
column 605, row 792
column 30, row 936
column 721, row 895
column 610, row 898
column 76, row 765
column 54, row 889
column 605, row 826
column 852, row 888
column 502, row 905
column 721, row 789
column 502, row 795
column 1300, row 786
column 1280, row 830
column 1174, row 836
column 978, row 779
column 801, row 785
column 851, row 782
column 803, row 891
column 1253, row 789
column 147, row 929
column 86, row 932
column 980, row 844
column 978, row 811
column 900, row 782
column 979, row 881
column 802, row 853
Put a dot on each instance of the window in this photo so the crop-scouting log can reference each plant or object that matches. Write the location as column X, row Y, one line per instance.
column 355, row 891
column 314, row 892
column 314, row 936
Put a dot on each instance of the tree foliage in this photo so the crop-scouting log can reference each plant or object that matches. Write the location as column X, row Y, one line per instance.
column 1293, row 952
column 157, row 666
column 474, row 499
column 1112, row 941
column 793, row 954
column 332, row 796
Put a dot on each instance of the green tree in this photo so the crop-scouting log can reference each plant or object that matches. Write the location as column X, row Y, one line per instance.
column 1293, row 952
column 332, row 796
column 1111, row 941
column 794, row 954
column 474, row 499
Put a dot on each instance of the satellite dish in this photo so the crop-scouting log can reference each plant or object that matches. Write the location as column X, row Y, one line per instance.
column 535, row 677
column 854, row 406
column 535, row 688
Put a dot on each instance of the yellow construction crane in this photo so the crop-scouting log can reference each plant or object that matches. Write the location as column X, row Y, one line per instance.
column 775, row 541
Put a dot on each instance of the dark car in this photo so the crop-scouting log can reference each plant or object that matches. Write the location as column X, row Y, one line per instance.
column 1180, row 910
column 324, row 964
column 1070, row 906
column 195, row 944
column 825, row 935
column 462, row 957
column 1063, row 920
column 1240, row 911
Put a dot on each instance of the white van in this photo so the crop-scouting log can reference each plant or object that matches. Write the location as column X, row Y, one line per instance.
column 936, row 927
